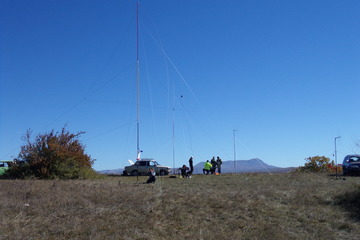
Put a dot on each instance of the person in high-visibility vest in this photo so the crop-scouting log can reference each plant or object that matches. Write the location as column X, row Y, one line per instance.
column 207, row 167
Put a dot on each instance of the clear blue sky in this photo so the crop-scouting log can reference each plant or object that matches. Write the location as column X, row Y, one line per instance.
column 284, row 74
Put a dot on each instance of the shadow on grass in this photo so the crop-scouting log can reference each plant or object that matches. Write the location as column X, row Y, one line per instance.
column 350, row 202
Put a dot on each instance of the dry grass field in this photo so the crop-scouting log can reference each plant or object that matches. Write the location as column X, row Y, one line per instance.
column 241, row 206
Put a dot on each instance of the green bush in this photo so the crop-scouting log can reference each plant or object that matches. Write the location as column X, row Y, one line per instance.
column 53, row 155
column 317, row 164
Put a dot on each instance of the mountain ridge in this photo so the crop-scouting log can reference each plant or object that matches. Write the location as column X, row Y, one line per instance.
column 254, row 165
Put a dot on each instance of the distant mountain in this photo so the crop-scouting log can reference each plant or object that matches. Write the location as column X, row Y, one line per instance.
column 114, row 171
column 254, row 165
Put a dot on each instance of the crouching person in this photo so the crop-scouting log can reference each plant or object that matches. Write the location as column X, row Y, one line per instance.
column 152, row 176
column 184, row 172
column 207, row 167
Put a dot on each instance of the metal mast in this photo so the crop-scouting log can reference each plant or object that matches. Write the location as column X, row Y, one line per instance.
column 137, row 85
column 336, row 165
column 234, row 131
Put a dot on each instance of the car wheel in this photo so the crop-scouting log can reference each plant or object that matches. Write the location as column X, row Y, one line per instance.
column 134, row 173
column 125, row 173
column 162, row 173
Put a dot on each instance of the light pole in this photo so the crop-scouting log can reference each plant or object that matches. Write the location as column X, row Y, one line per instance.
column 336, row 165
column 234, row 131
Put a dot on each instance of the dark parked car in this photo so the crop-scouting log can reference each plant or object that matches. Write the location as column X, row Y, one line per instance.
column 351, row 164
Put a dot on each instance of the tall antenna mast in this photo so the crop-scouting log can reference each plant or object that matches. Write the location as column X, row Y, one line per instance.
column 137, row 85
column 235, row 130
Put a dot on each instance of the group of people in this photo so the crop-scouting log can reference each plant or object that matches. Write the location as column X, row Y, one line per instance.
column 185, row 171
column 214, row 166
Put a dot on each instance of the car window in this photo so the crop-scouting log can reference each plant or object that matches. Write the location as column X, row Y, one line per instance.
column 144, row 163
column 354, row 159
column 153, row 164
column 2, row 164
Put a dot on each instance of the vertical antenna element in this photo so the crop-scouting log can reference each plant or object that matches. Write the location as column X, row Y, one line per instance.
column 137, row 85
column 235, row 130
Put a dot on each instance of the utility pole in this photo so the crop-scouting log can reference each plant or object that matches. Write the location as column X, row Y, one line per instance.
column 336, row 165
column 234, row 131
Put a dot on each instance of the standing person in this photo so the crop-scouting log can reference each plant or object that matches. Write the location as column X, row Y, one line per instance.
column 207, row 167
column 152, row 176
column 191, row 165
column 218, row 163
column 213, row 163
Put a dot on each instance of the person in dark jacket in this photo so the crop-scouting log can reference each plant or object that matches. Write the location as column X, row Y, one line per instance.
column 191, row 165
column 184, row 171
column 218, row 164
column 152, row 176
column 213, row 163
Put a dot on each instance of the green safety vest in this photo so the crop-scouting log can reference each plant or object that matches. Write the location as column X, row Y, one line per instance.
column 207, row 166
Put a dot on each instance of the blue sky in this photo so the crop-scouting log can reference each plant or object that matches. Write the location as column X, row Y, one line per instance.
column 284, row 74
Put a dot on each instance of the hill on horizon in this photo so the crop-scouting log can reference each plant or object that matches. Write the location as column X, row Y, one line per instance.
column 254, row 165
